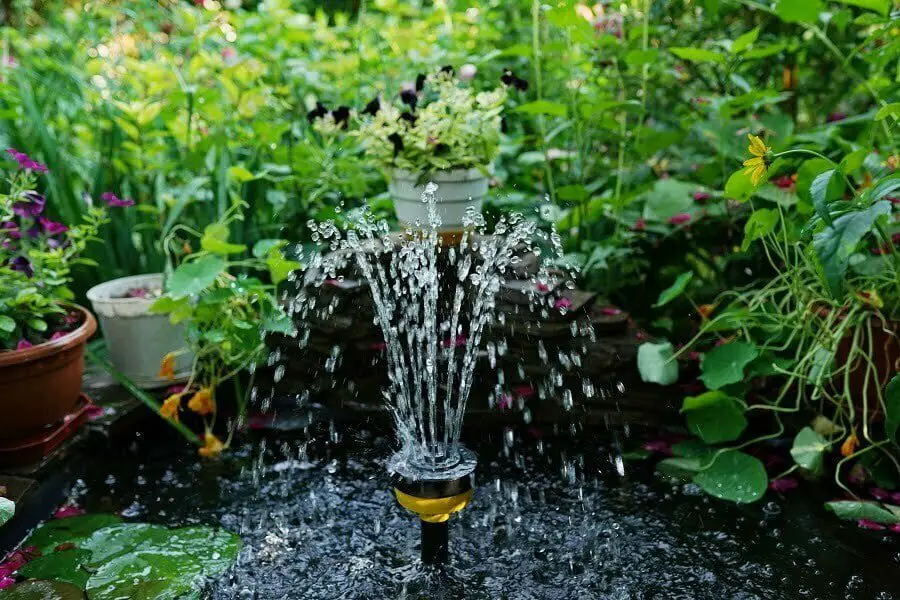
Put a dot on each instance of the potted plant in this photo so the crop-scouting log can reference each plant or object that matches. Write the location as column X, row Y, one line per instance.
column 136, row 337
column 443, row 132
column 42, row 333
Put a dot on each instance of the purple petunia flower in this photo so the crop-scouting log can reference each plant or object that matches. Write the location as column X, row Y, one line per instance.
column 32, row 206
column 116, row 202
column 22, row 265
column 52, row 227
column 26, row 162
column 10, row 230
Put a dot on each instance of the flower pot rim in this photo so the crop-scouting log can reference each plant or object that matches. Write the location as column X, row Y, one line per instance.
column 51, row 347
column 94, row 294
column 454, row 174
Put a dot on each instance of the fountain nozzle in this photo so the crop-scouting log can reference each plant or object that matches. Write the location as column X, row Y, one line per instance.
column 433, row 495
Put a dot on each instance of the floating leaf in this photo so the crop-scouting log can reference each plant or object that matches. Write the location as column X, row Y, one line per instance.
column 73, row 530
column 734, row 476
column 714, row 417
column 656, row 363
column 674, row 290
column 725, row 364
column 808, row 449
column 59, row 565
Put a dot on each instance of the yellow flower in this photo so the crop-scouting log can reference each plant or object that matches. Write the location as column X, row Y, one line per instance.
column 202, row 402
column 756, row 166
column 169, row 408
column 167, row 366
column 212, row 446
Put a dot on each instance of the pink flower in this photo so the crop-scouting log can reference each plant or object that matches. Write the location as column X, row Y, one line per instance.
column 785, row 182
column 610, row 311
column 783, row 484
column 26, row 162
column 5, row 582
column 58, row 334
column 640, row 225
column 94, row 411
column 895, row 497
column 506, row 402
column 701, row 196
column 378, row 346
column 640, row 335
column 661, row 446
column 879, row 250
column 175, row 389
column 52, row 227
column 116, row 202
column 680, row 219
column 563, row 304
column 895, row 527
column 228, row 53
column 542, row 287
column 835, row 117
column 64, row 512
column 23, row 345
column 869, row 524
column 880, row 494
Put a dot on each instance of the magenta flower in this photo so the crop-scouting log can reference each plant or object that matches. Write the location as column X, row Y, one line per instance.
column 26, row 162
column 32, row 206
column 542, row 287
column 116, row 202
column 58, row 334
column 454, row 342
column 523, row 391
column 680, row 219
column 11, row 230
column 6, row 581
column 563, row 304
column 610, row 311
column 175, row 389
column 94, row 411
column 378, row 346
column 880, row 494
column 661, row 446
column 640, row 225
column 895, row 527
column 23, row 344
column 506, row 402
column 701, row 196
column 52, row 227
column 783, row 484
column 835, row 117
column 64, row 512
column 869, row 524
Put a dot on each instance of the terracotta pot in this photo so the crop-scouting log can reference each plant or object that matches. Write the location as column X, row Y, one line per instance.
column 885, row 337
column 40, row 386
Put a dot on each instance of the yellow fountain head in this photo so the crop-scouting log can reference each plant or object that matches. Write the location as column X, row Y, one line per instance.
column 433, row 510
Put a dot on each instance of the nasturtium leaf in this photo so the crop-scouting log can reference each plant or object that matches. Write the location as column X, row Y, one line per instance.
column 836, row 243
column 59, row 565
column 73, row 530
column 674, row 290
column 7, row 324
column 744, row 41
column 691, row 448
column 543, row 107
column 892, row 409
column 698, row 55
column 882, row 7
column 734, row 476
column 808, row 449
column 819, row 192
column 193, row 277
column 851, row 510
column 668, row 198
column 714, row 417
column 795, row 11
column 280, row 268
column 7, row 510
column 215, row 240
column 264, row 247
column 679, row 468
column 656, row 363
column 760, row 224
column 42, row 590
column 725, row 364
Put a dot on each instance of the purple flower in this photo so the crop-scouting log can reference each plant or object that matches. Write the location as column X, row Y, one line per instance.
column 880, row 494
column 32, row 206
column 783, row 484
column 114, row 201
column 869, row 524
column 562, row 304
column 23, row 345
column 11, row 230
column 21, row 264
column 26, row 162
column 701, row 196
column 52, row 227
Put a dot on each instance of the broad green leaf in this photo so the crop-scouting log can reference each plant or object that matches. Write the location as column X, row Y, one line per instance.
column 808, row 449
column 543, row 107
column 680, row 468
column 714, row 417
column 837, row 242
column 725, row 364
column 668, row 198
column 264, row 247
column 37, row 324
column 892, row 408
column 280, row 268
column 7, row 324
column 699, row 55
column 7, row 510
column 674, row 290
column 819, row 192
column 215, row 240
column 882, row 7
column 72, row 530
column 851, row 510
column 807, row 173
column 854, row 160
column 637, row 58
column 191, row 278
column 795, row 11
column 744, row 41
column 889, row 110
column 42, row 590
column 760, row 224
column 884, row 187
column 740, row 187
column 734, row 476
column 656, row 363
column 691, row 448
column 60, row 565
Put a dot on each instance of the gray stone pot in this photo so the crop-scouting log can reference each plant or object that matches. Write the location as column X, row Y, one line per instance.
column 138, row 340
column 457, row 190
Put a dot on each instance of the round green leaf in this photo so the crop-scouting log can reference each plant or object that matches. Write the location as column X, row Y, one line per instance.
column 7, row 324
column 714, row 417
column 734, row 476
column 193, row 277
column 656, row 363
column 808, row 449
column 73, row 529
column 725, row 364
column 7, row 510
column 59, row 565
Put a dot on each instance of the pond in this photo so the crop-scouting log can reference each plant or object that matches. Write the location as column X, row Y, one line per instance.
column 554, row 516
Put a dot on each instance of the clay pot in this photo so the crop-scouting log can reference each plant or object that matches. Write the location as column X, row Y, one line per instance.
column 885, row 336
column 40, row 386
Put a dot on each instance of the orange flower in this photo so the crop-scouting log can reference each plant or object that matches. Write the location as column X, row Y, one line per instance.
column 169, row 408
column 167, row 366
column 212, row 446
column 706, row 309
column 202, row 402
column 850, row 445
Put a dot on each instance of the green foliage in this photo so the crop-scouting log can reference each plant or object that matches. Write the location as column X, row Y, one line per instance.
column 656, row 363
column 734, row 476
column 808, row 449
column 714, row 417
column 851, row 510
column 725, row 364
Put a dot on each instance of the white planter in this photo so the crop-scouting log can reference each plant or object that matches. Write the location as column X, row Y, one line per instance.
column 138, row 340
column 457, row 191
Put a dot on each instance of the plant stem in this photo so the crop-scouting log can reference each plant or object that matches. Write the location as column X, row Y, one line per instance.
column 538, row 86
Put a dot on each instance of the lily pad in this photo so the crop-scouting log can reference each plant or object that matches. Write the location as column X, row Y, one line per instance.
column 42, row 590
column 734, row 476
column 60, row 565
column 725, row 365
column 69, row 530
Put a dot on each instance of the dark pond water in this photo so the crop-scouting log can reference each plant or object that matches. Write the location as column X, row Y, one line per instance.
column 553, row 518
